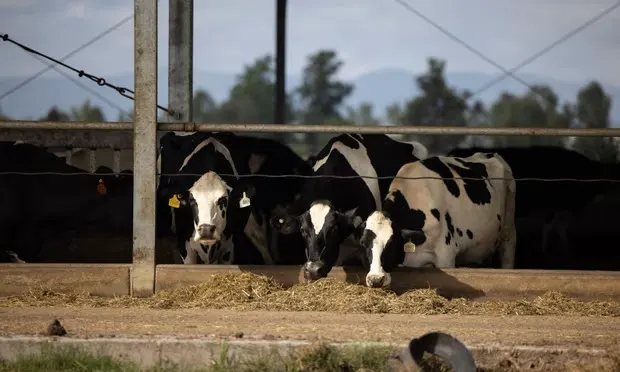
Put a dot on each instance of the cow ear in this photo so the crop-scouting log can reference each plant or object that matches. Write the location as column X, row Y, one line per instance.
column 350, row 218
column 285, row 224
column 359, row 229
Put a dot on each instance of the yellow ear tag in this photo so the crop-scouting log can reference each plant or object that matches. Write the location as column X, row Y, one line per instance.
column 101, row 189
column 409, row 247
column 174, row 201
column 245, row 201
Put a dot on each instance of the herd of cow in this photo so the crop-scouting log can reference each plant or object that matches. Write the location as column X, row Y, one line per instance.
column 364, row 200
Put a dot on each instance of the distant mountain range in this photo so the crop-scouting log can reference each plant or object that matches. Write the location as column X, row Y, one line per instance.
column 381, row 87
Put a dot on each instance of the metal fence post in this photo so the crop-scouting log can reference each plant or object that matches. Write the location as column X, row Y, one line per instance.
column 145, row 141
column 180, row 59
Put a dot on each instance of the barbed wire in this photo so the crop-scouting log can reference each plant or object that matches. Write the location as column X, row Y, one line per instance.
column 548, row 48
column 80, row 84
column 258, row 175
column 72, row 53
column 125, row 92
column 527, row 61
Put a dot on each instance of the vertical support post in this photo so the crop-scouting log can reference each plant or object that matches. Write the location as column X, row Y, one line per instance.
column 180, row 59
column 92, row 160
column 116, row 161
column 144, row 142
column 68, row 156
column 280, row 105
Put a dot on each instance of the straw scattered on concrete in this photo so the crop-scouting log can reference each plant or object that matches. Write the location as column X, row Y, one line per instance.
column 247, row 291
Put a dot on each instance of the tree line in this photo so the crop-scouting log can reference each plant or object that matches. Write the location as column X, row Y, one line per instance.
column 320, row 99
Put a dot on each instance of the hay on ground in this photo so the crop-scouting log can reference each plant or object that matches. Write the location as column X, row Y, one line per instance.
column 247, row 291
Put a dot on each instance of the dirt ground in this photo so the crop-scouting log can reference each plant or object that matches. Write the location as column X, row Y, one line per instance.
column 566, row 332
column 519, row 337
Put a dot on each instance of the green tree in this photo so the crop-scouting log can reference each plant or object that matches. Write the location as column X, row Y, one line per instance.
column 592, row 110
column 536, row 108
column 438, row 105
column 252, row 98
column 125, row 116
column 55, row 114
column 87, row 112
column 321, row 94
column 362, row 115
column 478, row 116
column 204, row 106
column 3, row 117
column 394, row 114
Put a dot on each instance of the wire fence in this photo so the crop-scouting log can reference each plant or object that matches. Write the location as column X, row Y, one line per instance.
column 315, row 176
column 125, row 92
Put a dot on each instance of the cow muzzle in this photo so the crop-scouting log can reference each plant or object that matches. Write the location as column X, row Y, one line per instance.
column 378, row 280
column 206, row 234
column 315, row 270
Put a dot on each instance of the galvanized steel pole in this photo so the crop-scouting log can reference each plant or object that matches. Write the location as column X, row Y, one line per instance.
column 280, row 106
column 180, row 60
column 145, row 141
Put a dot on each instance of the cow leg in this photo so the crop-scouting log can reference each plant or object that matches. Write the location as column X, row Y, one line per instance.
column 445, row 256
column 508, row 240
column 507, row 248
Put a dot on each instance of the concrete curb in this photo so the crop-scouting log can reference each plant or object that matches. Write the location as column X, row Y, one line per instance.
column 160, row 351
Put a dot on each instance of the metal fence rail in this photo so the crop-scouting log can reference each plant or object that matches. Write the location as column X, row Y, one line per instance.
column 311, row 128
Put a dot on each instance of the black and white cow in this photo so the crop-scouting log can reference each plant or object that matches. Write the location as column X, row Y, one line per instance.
column 35, row 207
column 550, row 163
column 551, row 195
column 331, row 206
column 220, row 216
column 443, row 223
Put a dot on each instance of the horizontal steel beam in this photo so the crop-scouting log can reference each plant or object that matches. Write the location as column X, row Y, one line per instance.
column 66, row 125
column 70, row 139
column 372, row 129
column 315, row 128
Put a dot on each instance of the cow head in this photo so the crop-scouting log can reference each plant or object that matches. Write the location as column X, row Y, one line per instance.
column 211, row 200
column 384, row 244
column 323, row 228
column 441, row 344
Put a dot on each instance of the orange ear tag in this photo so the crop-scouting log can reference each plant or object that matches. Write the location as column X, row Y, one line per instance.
column 101, row 189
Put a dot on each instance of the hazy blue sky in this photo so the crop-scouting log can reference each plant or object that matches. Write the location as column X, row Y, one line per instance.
column 368, row 34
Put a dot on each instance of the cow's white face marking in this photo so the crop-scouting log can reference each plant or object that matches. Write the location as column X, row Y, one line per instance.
column 360, row 163
column 210, row 194
column 381, row 226
column 318, row 212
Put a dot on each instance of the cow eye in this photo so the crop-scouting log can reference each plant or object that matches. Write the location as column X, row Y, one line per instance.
column 222, row 202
